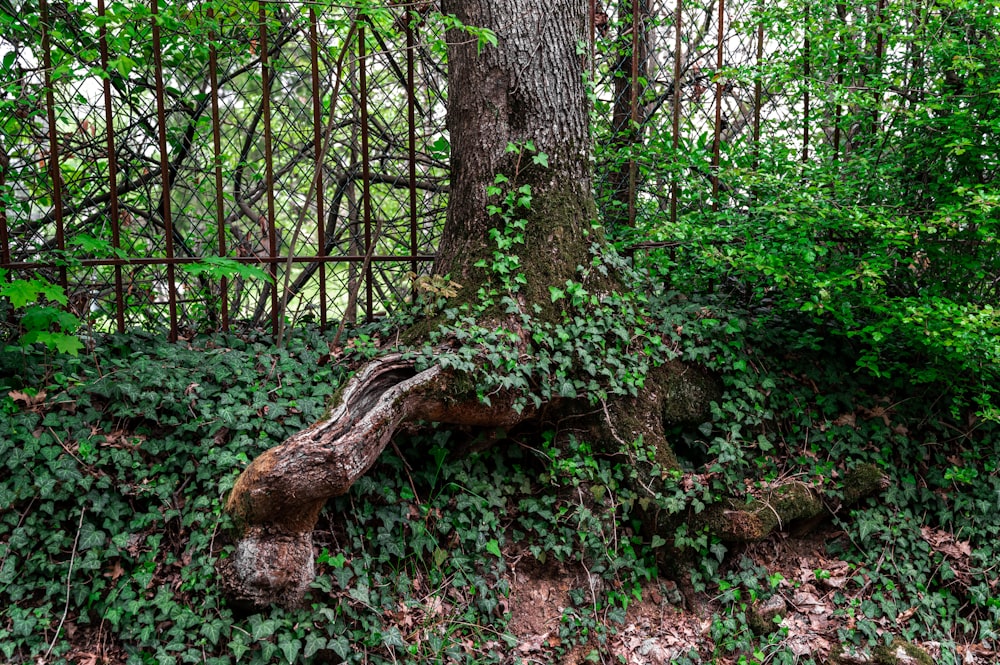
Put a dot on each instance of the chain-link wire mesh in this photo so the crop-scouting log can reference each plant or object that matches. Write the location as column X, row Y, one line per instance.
column 211, row 164
column 161, row 162
column 693, row 97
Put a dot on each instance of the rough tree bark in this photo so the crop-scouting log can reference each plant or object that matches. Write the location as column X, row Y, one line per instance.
column 529, row 88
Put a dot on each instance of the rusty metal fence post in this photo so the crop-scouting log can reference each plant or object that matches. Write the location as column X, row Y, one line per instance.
column 806, row 73
column 52, row 162
column 717, row 125
column 220, row 220
column 109, row 130
column 317, row 117
column 675, row 107
column 165, row 171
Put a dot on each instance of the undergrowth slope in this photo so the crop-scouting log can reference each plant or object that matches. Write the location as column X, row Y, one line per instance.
column 116, row 464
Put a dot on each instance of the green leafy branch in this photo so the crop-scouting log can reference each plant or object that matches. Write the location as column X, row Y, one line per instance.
column 39, row 321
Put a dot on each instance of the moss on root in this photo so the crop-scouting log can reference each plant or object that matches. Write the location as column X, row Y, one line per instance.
column 901, row 653
column 756, row 518
column 688, row 391
column 897, row 653
column 862, row 481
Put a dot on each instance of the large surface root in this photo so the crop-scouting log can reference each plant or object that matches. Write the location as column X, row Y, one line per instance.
column 276, row 501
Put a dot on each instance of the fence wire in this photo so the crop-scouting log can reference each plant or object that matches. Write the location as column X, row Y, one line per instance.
column 150, row 166
column 210, row 165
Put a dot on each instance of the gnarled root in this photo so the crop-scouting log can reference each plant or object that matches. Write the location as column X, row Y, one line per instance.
column 788, row 504
column 276, row 501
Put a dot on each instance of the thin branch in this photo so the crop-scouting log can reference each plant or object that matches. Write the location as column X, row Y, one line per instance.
column 69, row 576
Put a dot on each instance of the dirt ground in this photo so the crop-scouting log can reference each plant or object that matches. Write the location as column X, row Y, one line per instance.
column 663, row 627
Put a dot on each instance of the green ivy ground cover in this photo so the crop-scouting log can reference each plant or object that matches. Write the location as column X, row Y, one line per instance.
column 116, row 464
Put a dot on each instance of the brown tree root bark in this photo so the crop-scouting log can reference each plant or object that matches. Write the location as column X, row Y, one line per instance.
column 275, row 503
column 787, row 505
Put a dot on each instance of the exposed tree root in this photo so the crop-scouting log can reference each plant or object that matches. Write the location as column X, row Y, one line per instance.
column 276, row 501
column 786, row 505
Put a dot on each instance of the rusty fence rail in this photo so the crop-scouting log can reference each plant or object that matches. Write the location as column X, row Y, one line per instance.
column 173, row 167
column 203, row 165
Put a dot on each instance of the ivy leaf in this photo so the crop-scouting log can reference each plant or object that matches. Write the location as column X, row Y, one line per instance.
column 290, row 649
column 90, row 537
column 493, row 547
column 393, row 638
column 212, row 630
column 238, row 648
column 541, row 159
column 313, row 644
column 264, row 629
column 567, row 389
column 340, row 646
column 556, row 293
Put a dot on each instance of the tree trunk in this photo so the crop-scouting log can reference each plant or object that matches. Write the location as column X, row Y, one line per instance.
column 528, row 92
column 530, row 88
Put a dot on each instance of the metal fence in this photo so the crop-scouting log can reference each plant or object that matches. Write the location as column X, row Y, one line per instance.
column 306, row 144
column 694, row 96
column 156, row 158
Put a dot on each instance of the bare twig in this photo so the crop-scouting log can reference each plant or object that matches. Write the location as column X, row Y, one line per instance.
column 69, row 577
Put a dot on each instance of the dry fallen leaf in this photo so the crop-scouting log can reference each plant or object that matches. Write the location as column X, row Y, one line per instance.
column 848, row 419
column 30, row 401
column 115, row 570
column 945, row 543
column 533, row 643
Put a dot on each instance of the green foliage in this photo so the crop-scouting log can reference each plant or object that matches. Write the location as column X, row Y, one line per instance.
column 116, row 468
column 484, row 36
column 39, row 320
column 594, row 346
column 115, row 462
column 741, row 590
column 794, row 405
column 601, row 345
column 220, row 267
column 883, row 231
column 512, row 203
column 118, row 464
column 860, row 272
column 847, row 299
column 849, row 306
